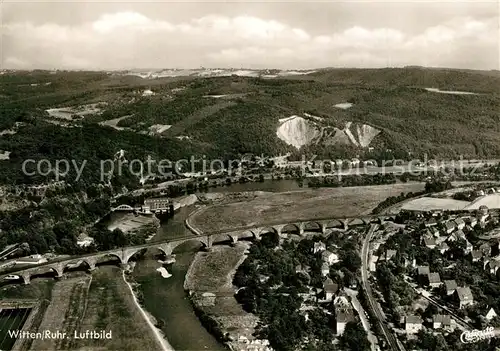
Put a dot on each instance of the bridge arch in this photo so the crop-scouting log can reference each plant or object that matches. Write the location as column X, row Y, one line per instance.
column 356, row 221
column 225, row 238
column 205, row 244
column 107, row 257
column 78, row 265
column 313, row 226
column 266, row 230
column 123, row 208
column 42, row 272
column 335, row 223
column 291, row 228
column 133, row 255
column 247, row 235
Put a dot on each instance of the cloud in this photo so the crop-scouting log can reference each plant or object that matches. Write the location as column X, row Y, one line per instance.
column 131, row 39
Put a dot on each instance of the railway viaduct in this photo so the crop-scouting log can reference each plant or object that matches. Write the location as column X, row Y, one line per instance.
column 124, row 255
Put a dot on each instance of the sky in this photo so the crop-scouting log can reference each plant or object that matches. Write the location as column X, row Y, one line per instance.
column 115, row 35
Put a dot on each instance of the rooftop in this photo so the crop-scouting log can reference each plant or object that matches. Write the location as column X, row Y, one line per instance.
column 413, row 319
column 423, row 270
column 442, row 318
column 434, row 278
column 464, row 294
column 450, row 284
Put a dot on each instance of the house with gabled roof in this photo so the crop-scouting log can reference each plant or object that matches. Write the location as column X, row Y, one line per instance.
column 468, row 247
column 491, row 314
column 464, row 296
column 329, row 257
column 431, row 222
column 455, row 236
column 330, row 288
column 319, row 247
column 434, row 280
column 429, row 242
column 471, row 221
column 443, row 247
column 413, row 324
column 388, row 255
column 441, row 321
column 460, row 223
column 325, row 269
column 344, row 313
column 450, row 286
column 449, row 227
column 486, row 249
column 423, row 270
column 492, row 266
column 476, row 255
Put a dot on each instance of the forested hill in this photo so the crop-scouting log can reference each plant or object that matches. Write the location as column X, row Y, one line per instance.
column 228, row 116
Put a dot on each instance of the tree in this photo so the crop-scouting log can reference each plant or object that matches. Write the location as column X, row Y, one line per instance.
column 352, row 260
column 354, row 337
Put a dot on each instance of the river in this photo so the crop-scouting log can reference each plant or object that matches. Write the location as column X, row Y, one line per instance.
column 165, row 298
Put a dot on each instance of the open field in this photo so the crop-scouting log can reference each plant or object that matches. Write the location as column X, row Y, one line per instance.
column 214, row 270
column 433, row 203
column 64, row 312
column 293, row 205
column 110, row 307
column 490, row 201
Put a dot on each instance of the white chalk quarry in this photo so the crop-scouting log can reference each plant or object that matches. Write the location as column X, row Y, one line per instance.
column 298, row 131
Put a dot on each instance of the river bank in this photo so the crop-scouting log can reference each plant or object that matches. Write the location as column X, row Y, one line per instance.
column 209, row 284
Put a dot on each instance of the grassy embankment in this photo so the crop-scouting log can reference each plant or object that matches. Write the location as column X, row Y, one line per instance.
column 209, row 281
column 111, row 307
column 81, row 302
column 293, row 205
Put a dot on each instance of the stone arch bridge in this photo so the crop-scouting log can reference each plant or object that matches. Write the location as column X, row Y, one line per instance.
column 124, row 255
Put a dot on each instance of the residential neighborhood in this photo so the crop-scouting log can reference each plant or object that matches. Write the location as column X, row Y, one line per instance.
column 436, row 274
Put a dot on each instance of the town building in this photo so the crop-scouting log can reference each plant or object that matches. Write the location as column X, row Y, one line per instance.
column 443, row 247
column 373, row 263
column 157, row 204
column 460, row 223
column 329, row 257
column 431, row 222
column 476, row 255
column 441, row 321
column 491, row 314
column 325, row 269
column 464, row 296
column 33, row 259
column 429, row 242
column 319, row 247
column 449, row 227
column 450, row 286
column 423, row 270
column 344, row 313
column 330, row 289
column 84, row 240
column 413, row 324
column 434, row 280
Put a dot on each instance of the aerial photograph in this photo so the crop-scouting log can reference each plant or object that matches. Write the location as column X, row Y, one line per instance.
column 250, row 175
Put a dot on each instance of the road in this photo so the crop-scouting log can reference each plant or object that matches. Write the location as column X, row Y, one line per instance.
column 460, row 321
column 392, row 341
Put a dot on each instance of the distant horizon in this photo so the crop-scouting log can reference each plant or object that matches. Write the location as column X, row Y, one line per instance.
column 245, row 69
column 298, row 35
